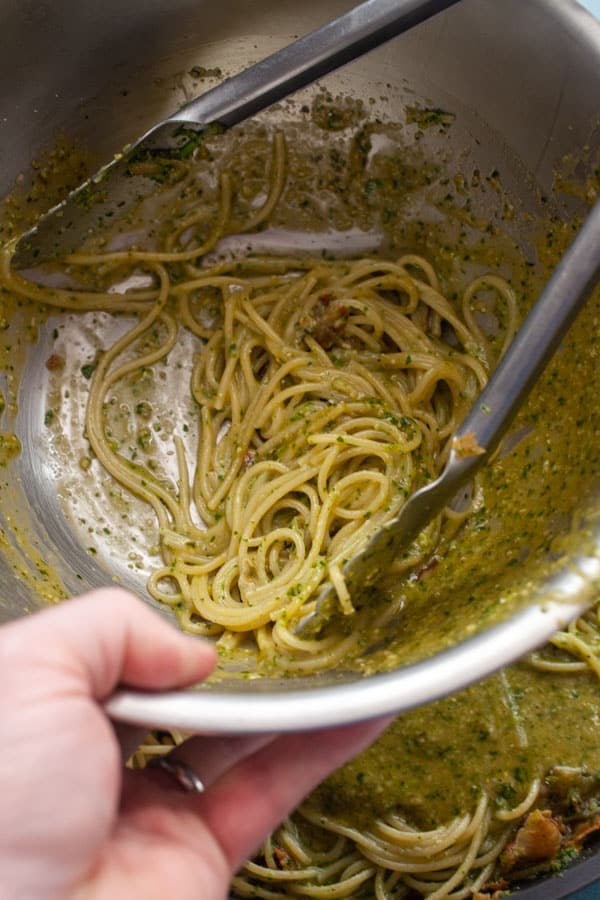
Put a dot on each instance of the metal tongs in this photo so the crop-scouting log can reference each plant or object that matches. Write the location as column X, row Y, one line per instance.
column 536, row 341
column 114, row 190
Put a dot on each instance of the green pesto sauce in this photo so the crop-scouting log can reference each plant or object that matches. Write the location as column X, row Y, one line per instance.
column 496, row 736
column 10, row 446
column 533, row 497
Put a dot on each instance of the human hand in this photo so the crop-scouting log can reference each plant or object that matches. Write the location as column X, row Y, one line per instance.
column 76, row 825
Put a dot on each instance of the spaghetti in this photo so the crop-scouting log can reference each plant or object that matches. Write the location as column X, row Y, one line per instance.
column 327, row 392
column 315, row 854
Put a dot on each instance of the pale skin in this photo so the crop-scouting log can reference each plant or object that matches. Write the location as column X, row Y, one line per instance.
column 74, row 823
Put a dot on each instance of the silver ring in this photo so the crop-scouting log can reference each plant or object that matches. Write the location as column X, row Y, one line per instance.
column 183, row 774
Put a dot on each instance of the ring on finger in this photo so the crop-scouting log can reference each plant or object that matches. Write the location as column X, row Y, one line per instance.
column 180, row 772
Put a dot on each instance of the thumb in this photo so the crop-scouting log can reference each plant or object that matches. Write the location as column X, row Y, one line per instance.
column 110, row 637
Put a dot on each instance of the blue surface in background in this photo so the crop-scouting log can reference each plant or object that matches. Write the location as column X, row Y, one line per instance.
column 592, row 5
column 593, row 892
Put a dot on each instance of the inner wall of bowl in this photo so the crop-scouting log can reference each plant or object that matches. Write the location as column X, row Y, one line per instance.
column 521, row 78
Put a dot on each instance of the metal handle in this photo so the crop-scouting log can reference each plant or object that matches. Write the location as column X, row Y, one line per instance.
column 496, row 407
column 538, row 337
column 534, row 344
column 66, row 226
column 358, row 31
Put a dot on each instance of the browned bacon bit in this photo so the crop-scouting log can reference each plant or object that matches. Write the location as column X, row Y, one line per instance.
column 431, row 565
column 283, row 859
column 328, row 321
column 55, row 362
column 536, row 841
column 582, row 832
column 249, row 459
column 494, row 890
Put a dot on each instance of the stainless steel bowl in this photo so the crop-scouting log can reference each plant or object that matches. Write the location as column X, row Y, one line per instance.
column 524, row 79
